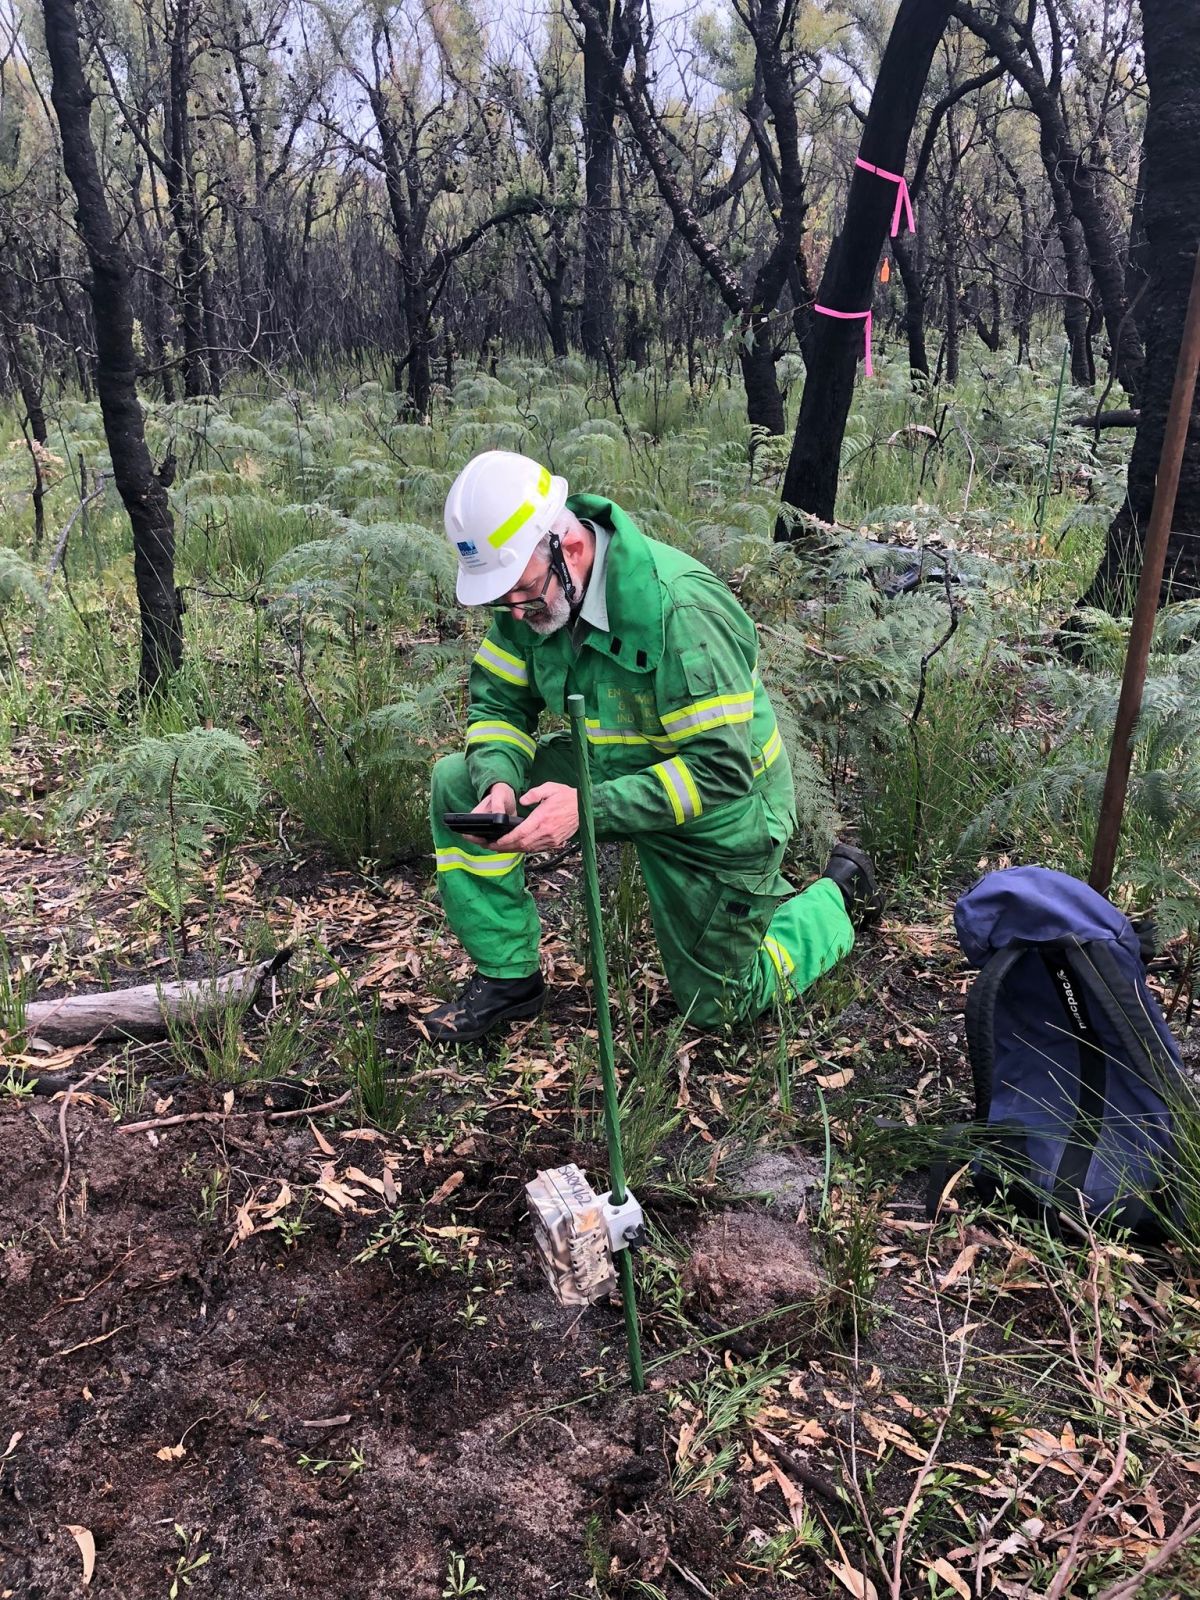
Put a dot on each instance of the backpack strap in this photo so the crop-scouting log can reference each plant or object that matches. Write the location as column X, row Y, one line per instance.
column 980, row 1020
column 1075, row 993
column 1098, row 969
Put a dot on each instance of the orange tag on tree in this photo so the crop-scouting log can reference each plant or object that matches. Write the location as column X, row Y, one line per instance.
column 885, row 271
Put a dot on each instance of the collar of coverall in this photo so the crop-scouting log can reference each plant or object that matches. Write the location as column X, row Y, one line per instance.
column 594, row 607
column 632, row 597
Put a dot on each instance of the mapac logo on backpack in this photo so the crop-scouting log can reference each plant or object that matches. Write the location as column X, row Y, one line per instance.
column 1074, row 1067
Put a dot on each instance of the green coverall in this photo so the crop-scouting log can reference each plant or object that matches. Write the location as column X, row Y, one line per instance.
column 687, row 762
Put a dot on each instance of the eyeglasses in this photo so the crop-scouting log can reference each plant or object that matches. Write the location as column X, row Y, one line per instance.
column 535, row 603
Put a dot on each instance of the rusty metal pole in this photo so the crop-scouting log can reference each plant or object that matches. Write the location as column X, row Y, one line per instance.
column 1154, row 557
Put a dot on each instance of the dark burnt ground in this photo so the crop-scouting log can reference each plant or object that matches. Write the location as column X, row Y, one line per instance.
column 324, row 1351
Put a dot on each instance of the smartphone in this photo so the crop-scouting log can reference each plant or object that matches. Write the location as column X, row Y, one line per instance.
column 484, row 824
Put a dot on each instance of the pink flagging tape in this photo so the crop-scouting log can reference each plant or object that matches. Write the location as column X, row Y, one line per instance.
column 903, row 199
column 853, row 316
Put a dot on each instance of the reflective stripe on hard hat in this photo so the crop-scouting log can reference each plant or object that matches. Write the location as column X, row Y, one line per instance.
column 527, row 509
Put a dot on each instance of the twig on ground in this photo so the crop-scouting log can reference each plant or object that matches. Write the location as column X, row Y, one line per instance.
column 86, row 1344
column 223, row 1116
column 62, row 1128
column 1095, row 1506
column 690, row 1578
column 1185, row 1530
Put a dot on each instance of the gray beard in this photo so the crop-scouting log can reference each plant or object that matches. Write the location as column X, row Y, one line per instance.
column 556, row 615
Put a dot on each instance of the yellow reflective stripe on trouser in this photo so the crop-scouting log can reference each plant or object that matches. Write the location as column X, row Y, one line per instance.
column 501, row 663
column 780, row 960
column 491, row 864
column 518, row 519
column 771, row 751
column 714, row 713
column 681, row 790
column 501, row 733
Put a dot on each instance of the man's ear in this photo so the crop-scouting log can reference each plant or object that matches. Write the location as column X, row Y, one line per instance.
column 574, row 540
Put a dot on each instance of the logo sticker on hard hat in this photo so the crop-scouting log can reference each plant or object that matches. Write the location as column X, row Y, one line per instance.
column 468, row 554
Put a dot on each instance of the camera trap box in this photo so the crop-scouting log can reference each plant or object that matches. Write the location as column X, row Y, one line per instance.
column 578, row 1232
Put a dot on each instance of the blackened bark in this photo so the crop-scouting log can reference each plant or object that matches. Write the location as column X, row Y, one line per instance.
column 17, row 335
column 143, row 495
column 155, row 320
column 764, row 402
column 18, row 344
column 810, row 483
column 905, row 250
column 1076, row 302
column 1170, row 207
column 556, row 312
column 603, row 66
column 177, row 170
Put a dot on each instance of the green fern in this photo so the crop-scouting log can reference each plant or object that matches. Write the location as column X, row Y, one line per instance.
column 1052, row 813
column 173, row 796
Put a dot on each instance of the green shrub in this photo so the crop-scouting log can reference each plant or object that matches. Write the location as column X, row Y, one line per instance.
column 173, row 796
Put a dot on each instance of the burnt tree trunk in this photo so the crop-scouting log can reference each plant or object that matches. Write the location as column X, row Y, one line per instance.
column 604, row 59
column 1170, row 213
column 810, row 483
column 19, row 345
column 908, row 262
column 144, row 497
column 20, row 348
column 155, row 320
column 181, row 198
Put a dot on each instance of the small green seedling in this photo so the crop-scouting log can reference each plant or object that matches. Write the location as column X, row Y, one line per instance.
column 350, row 1465
column 186, row 1564
column 458, row 1581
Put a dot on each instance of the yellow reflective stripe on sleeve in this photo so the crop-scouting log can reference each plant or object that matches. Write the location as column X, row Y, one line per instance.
column 502, row 663
column 717, row 712
column 501, row 733
column 771, row 752
column 780, row 960
column 681, row 789
column 491, row 864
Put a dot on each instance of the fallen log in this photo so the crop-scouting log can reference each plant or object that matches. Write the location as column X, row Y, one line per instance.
column 1107, row 419
column 143, row 1012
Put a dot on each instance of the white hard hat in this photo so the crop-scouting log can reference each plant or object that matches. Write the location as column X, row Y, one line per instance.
column 499, row 508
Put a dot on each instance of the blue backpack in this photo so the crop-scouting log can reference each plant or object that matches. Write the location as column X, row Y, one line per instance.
column 1074, row 1067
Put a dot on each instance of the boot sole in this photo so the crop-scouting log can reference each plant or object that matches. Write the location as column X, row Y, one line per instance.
column 518, row 1013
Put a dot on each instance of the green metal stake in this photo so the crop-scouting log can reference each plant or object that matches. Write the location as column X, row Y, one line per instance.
column 608, row 1074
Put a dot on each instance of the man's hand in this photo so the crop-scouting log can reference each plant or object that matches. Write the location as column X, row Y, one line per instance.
column 500, row 797
column 551, row 824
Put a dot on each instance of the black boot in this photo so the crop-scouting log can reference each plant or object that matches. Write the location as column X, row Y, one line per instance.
column 854, row 873
column 481, row 1005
